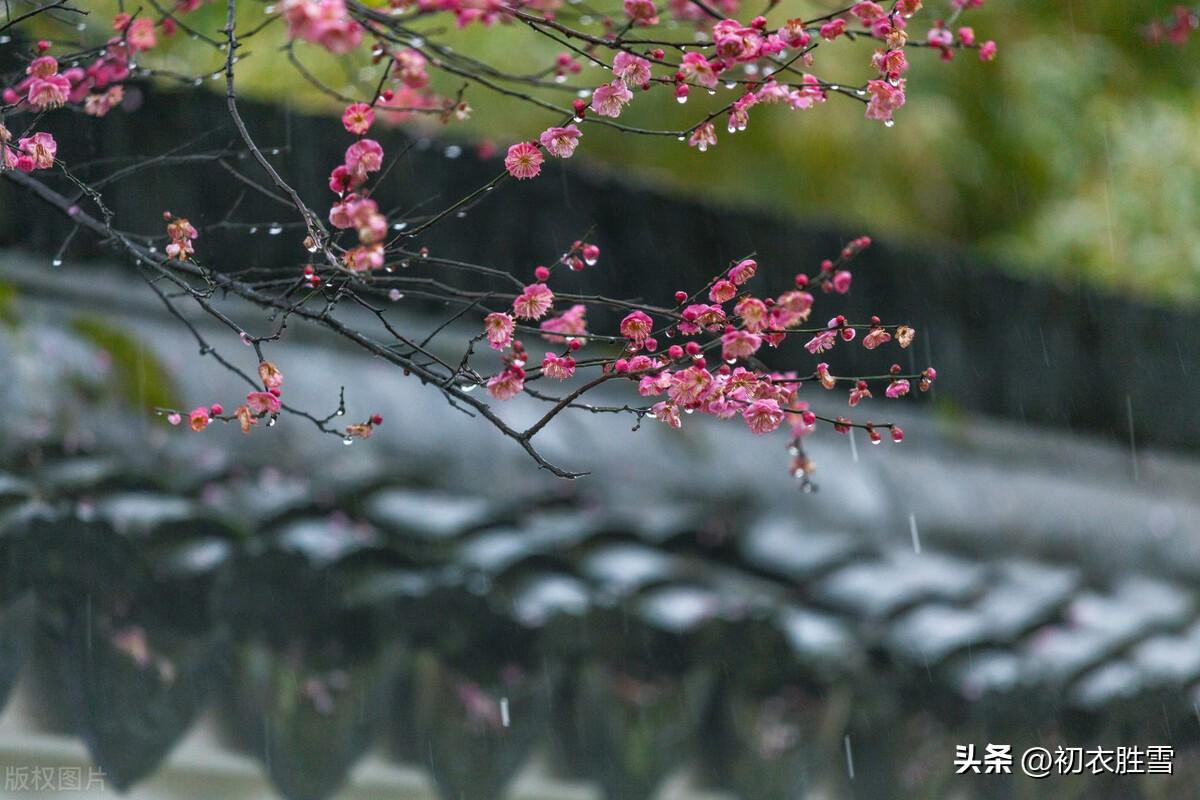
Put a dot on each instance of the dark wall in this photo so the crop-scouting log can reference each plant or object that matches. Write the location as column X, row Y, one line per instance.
column 1066, row 356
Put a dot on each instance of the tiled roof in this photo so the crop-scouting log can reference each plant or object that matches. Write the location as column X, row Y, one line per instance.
column 463, row 635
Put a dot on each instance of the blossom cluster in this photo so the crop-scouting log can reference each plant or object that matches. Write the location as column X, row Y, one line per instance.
column 715, row 369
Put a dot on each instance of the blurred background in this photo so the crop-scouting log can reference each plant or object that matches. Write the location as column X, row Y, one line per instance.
column 425, row 614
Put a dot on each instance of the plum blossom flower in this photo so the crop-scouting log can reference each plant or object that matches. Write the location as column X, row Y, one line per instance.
column 364, row 258
column 560, row 142
column 897, row 388
column 905, row 335
column 636, row 326
column 499, row 330
column 739, row 344
column 885, row 99
column 743, row 271
column 507, row 384
column 245, row 417
column 570, row 323
column 633, row 70
column 753, row 313
column 642, row 12
column 411, row 69
column 524, row 160
column 49, row 92
column 270, row 375
column 533, row 302
column 363, row 157
column 324, row 22
column 827, row 380
column 610, row 99
column 697, row 69
column 841, row 281
column 987, row 51
column 667, row 412
column 833, row 29
column 198, row 419
column 556, row 366
column 825, row 340
column 41, row 148
column 763, row 416
column 722, row 291
column 859, row 392
column 263, row 402
column 358, row 118
column 703, row 137
column 875, row 337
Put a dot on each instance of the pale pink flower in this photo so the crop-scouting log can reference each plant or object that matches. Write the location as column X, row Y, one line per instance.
column 825, row 340
column 743, row 271
column 533, row 302
column 524, row 160
column 560, row 367
column 697, row 69
column 897, row 388
column 572, row 322
column 722, row 291
column 634, row 70
column 876, row 337
column 410, row 68
column 763, row 416
column 642, row 12
column 49, row 92
column 270, row 375
column 827, row 380
column 666, row 412
column 507, row 384
column 841, row 281
column 636, row 326
column 364, row 258
column 739, row 344
column 560, row 142
column 358, row 118
column 753, row 313
column 885, row 99
column 363, row 157
column 40, row 147
column 610, row 99
column 263, row 402
column 42, row 67
column 703, row 137
column 499, row 329
column 689, row 386
column 859, row 392
column 140, row 34
column 199, row 419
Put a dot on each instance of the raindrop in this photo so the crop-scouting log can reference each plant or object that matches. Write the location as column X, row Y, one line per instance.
column 887, row 123
column 453, row 151
column 467, row 387
column 681, row 99
column 275, row 229
column 56, row 262
column 834, row 87
column 269, row 9
column 5, row 39
column 461, row 215
column 504, row 712
column 582, row 93
column 860, row 92
column 560, row 78
column 197, row 82
column 216, row 76
column 347, row 441
column 399, row 226
column 253, row 229
column 395, row 294
column 417, row 41
column 680, row 138
column 341, row 412
column 271, row 422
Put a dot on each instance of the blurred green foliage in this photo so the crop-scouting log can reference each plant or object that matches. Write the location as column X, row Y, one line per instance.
column 1074, row 155
column 143, row 379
